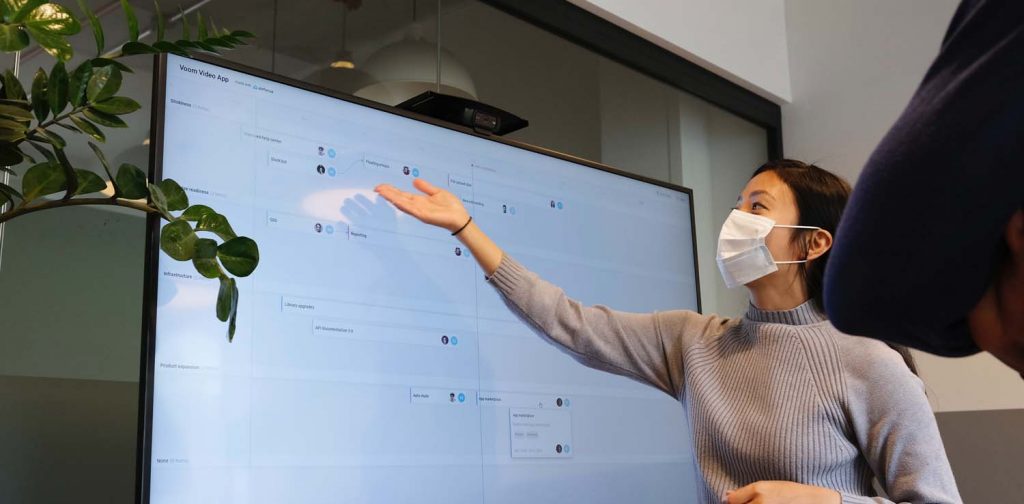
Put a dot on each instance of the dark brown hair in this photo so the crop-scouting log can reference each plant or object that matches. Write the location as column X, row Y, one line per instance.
column 820, row 198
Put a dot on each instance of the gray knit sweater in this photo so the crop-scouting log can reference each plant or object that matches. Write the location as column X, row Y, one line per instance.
column 771, row 396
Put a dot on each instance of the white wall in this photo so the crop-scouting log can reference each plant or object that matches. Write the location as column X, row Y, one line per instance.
column 740, row 40
column 854, row 65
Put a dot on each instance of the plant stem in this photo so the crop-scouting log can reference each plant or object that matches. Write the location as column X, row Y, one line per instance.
column 48, row 204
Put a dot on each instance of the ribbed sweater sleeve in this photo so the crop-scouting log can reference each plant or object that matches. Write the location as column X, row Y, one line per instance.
column 894, row 426
column 636, row 345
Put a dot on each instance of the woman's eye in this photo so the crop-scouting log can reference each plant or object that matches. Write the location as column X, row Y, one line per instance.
column 757, row 206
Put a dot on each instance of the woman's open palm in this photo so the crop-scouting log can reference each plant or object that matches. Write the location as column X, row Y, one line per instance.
column 435, row 206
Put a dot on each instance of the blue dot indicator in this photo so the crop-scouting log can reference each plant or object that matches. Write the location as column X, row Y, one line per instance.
column 567, row 403
column 415, row 172
column 462, row 397
column 559, row 205
column 512, row 210
column 331, row 153
column 331, row 171
column 566, row 449
column 329, row 229
column 455, row 340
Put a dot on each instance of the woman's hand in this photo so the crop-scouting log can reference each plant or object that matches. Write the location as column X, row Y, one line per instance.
column 442, row 208
column 436, row 206
column 781, row 492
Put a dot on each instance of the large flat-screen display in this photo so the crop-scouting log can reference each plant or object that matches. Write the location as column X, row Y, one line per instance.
column 372, row 362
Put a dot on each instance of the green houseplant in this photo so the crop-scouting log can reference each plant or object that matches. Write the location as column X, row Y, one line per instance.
column 84, row 102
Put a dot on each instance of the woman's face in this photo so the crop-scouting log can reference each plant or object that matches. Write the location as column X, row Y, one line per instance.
column 768, row 196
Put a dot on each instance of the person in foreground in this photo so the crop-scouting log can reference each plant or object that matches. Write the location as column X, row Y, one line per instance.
column 782, row 407
column 932, row 254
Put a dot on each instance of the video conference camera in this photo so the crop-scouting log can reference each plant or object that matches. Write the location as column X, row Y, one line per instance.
column 480, row 117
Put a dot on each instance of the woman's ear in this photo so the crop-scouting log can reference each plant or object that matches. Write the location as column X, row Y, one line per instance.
column 820, row 242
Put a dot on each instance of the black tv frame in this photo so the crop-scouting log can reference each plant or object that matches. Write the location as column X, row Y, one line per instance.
column 149, row 308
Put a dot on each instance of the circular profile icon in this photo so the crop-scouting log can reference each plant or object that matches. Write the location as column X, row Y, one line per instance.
column 558, row 448
column 320, row 150
column 552, row 203
column 458, row 251
column 331, row 153
column 444, row 340
column 331, row 171
column 451, row 397
column 405, row 170
column 455, row 340
column 559, row 205
column 321, row 169
column 329, row 228
column 559, row 402
column 462, row 397
column 415, row 172
column 318, row 227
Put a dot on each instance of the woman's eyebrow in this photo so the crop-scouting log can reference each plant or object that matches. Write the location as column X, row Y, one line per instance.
column 760, row 192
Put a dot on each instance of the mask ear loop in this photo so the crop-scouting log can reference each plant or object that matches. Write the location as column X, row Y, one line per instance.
column 795, row 227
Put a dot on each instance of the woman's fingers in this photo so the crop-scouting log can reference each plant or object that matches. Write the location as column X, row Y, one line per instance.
column 426, row 187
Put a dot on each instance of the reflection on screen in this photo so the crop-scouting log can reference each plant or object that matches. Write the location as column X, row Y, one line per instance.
column 372, row 362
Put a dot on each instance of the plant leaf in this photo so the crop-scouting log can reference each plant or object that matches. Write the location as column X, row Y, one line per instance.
column 216, row 224
column 78, row 82
column 133, row 22
column 26, row 7
column 156, row 197
column 50, row 25
column 13, row 38
column 97, row 28
column 52, row 138
column 117, row 105
column 178, row 240
column 12, row 87
column 69, row 172
column 103, row 84
column 42, row 179
column 206, row 47
column 200, row 26
column 205, row 258
column 186, row 31
column 106, row 166
column 196, row 212
column 186, row 44
column 159, row 21
column 11, row 131
column 227, row 298
column 133, row 48
column 57, row 90
column 174, row 195
column 89, row 182
column 102, row 62
column 132, row 182
column 42, row 150
column 54, row 45
column 10, row 192
column 104, row 118
column 10, row 155
column 89, row 128
column 242, row 34
column 169, row 47
column 40, row 103
column 239, row 256
column 15, row 112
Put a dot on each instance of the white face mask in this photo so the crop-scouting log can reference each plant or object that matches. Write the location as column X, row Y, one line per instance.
column 743, row 255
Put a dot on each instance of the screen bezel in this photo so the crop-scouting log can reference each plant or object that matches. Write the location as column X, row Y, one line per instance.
column 149, row 307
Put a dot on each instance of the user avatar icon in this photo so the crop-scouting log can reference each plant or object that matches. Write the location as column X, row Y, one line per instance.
column 405, row 170
column 504, row 208
column 329, row 229
column 559, row 205
column 331, row 153
column 331, row 171
column 320, row 169
column 444, row 340
column 559, row 402
column 415, row 172
column 462, row 397
column 318, row 227
column 455, row 340
column 552, row 203
column 451, row 397
column 458, row 251
column 558, row 448
column 320, row 150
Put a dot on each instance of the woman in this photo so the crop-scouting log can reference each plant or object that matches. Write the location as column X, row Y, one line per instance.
column 783, row 408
